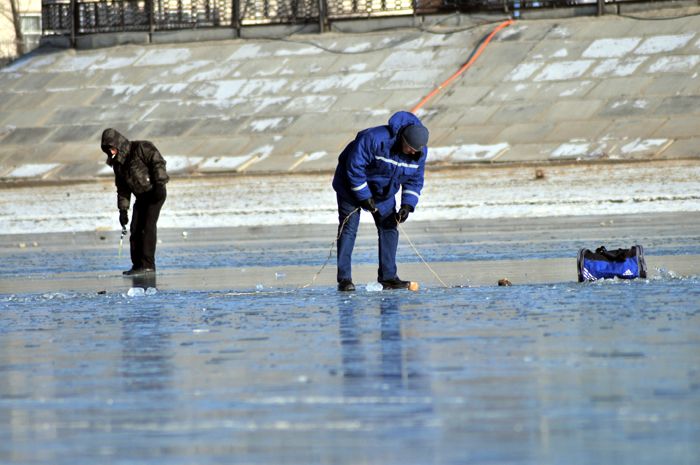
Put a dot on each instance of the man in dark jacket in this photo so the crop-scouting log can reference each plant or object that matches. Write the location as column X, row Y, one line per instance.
column 139, row 169
column 371, row 170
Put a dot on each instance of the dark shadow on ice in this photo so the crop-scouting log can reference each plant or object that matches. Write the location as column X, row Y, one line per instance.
column 144, row 281
column 146, row 351
column 391, row 362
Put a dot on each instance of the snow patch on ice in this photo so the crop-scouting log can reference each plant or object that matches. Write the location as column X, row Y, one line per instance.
column 561, row 53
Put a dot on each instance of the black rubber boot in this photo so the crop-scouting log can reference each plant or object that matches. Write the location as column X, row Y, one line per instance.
column 346, row 285
column 395, row 283
column 133, row 271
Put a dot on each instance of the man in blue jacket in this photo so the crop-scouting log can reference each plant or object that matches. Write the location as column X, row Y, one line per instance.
column 371, row 170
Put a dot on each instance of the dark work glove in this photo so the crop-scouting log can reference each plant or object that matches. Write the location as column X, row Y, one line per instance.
column 402, row 215
column 159, row 192
column 123, row 217
column 368, row 204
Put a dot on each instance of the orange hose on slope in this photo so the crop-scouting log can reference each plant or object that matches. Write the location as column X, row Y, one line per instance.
column 464, row 67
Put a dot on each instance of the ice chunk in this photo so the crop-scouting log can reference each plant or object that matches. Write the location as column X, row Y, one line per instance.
column 151, row 291
column 374, row 287
column 279, row 275
column 135, row 292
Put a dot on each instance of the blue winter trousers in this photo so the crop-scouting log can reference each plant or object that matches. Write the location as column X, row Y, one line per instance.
column 388, row 240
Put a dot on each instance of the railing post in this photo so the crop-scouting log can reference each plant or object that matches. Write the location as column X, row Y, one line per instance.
column 236, row 16
column 74, row 21
column 322, row 16
column 150, row 4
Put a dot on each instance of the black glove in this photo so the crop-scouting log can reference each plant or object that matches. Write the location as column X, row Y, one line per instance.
column 123, row 218
column 368, row 204
column 402, row 215
column 159, row 192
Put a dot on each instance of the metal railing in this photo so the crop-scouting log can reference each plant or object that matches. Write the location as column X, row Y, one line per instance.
column 76, row 17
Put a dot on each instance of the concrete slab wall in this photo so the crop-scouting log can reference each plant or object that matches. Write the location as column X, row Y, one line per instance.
column 583, row 88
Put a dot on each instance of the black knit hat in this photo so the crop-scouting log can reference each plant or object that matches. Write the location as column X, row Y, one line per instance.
column 416, row 136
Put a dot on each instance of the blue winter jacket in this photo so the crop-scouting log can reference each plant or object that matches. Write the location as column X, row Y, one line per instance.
column 373, row 165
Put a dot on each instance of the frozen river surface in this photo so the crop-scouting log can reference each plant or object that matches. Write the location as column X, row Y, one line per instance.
column 535, row 374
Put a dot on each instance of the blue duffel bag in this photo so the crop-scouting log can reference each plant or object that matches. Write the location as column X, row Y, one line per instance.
column 608, row 264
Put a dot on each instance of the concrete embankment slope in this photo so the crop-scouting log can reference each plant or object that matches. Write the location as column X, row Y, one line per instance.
column 544, row 90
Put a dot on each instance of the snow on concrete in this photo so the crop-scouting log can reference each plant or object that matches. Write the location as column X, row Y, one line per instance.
column 219, row 71
column 472, row 152
column 179, row 163
column 221, row 90
column 188, row 66
column 311, row 103
column 408, row 60
column 223, row 163
column 664, row 43
column 611, row 48
column 495, row 192
column 79, row 62
column 618, row 67
column 268, row 124
column 350, row 82
column 248, row 51
column 164, row 56
column 635, row 103
column 643, row 145
column 564, row 70
column 523, row 71
column 31, row 170
column 301, row 50
column 117, row 62
column 262, row 87
column 571, row 150
column 38, row 63
column 575, row 88
column 674, row 64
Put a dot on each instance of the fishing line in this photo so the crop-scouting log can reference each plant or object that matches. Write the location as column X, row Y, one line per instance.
column 330, row 252
column 403, row 232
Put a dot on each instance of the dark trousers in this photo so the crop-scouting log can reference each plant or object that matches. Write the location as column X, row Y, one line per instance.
column 143, row 230
column 388, row 236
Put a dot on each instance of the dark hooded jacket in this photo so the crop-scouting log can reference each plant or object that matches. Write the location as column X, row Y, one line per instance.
column 137, row 166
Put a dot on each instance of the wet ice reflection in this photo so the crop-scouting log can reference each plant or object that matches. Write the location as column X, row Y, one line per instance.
column 567, row 373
